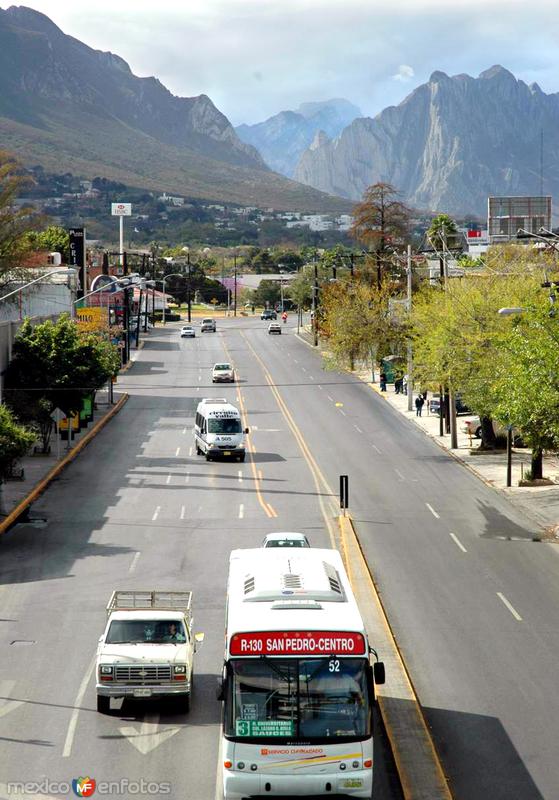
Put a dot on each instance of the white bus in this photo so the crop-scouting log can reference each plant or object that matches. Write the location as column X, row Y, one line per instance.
column 297, row 684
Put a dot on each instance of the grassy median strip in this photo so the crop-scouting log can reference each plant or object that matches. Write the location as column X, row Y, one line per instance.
column 420, row 771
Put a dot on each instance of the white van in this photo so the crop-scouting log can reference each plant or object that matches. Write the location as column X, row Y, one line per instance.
column 218, row 430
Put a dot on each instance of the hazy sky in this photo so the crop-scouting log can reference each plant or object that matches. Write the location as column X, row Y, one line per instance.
column 254, row 58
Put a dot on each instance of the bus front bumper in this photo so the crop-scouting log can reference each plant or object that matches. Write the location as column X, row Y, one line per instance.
column 238, row 785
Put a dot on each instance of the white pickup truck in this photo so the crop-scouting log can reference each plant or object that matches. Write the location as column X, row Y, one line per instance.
column 148, row 647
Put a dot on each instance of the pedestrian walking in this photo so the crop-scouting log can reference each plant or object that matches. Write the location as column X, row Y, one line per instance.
column 398, row 386
column 419, row 405
column 383, row 381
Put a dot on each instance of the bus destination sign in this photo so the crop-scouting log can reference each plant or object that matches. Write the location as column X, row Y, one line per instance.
column 298, row 643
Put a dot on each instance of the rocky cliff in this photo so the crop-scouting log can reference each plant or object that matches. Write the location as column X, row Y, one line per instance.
column 448, row 146
column 283, row 138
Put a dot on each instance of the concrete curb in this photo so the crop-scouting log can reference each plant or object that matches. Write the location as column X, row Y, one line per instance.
column 40, row 487
column 419, row 768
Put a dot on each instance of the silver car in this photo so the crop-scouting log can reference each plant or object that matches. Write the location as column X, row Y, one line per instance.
column 223, row 373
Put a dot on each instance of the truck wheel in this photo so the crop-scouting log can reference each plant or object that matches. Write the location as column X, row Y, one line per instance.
column 186, row 704
column 103, row 704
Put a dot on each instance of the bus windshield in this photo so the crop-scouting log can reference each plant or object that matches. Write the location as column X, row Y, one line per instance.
column 297, row 700
column 224, row 425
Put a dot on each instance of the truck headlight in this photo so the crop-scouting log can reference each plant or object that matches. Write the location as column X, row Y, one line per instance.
column 106, row 672
column 180, row 669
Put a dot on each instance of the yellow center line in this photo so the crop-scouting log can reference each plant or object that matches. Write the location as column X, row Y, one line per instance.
column 320, row 481
column 268, row 510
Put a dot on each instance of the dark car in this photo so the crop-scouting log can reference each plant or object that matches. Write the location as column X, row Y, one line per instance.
column 268, row 313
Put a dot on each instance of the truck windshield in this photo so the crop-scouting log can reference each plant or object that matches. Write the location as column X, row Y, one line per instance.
column 224, row 425
column 298, row 700
column 150, row 631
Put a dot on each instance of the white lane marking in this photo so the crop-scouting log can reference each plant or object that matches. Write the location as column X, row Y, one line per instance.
column 190, row 451
column 457, row 542
column 399, row 474
column 197, row 388
column 311, row 377
column 132, row 566
column 320, row 387
column 178, row 451
column 219, row 776
column 77, row 703
column 510, row 607
column 241, row 511
column 6, row 688
column 254, row 427
column 184, row 430
column 432, row 510
column 183, row 512
column 342, row 412
column 330, row 398
column 148, row 736
column 376, row 448
column 156, row 513
column 304, row 369
column 187, row 477
column 240, row 474
column 168, row 481
column 295, row 360
column 358, row 429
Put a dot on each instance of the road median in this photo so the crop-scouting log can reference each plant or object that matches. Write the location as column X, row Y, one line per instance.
column 420, row 771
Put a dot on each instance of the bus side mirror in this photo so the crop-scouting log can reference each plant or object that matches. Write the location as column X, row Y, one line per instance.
column 379, row 672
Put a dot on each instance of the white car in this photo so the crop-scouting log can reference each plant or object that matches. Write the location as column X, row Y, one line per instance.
column 187, row 331
column 274, row 327
column 223, row 373
column 285, row 540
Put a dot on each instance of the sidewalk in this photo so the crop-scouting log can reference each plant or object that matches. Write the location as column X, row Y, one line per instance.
column 40, row 470
column 539, row 502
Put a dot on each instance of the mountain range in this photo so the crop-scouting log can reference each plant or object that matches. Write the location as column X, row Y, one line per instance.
column 71, row 108
column 449, row 145
column 283, row 138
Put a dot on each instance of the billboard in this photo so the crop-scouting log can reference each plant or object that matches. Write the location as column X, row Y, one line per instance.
column 507, row 215
column 92, row 319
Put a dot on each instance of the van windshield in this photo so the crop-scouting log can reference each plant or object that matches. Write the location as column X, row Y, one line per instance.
column 224, row 425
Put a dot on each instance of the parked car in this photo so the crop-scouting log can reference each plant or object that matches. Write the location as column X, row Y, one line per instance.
column 208, row 325
column 435, row 404
column 268, row 313
column 187, row 331
column 274, row 327
column 472, row 427
column 223, row 373
column 285, row 540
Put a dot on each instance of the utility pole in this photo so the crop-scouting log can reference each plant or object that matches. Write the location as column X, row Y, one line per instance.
column 315, row 303
column 410, row 351
column 451, row 397
column 189, row 297
column 235, row 284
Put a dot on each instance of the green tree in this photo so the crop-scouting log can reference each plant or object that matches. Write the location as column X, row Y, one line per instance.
column 54, row 239
column 54, row 364
column 267, row 292
column 443, row 236
column 357, row 321
column 14, row 221
column 15, row 441
column 381, row 223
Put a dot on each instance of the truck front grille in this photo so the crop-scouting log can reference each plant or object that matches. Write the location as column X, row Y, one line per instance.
column 143, row 673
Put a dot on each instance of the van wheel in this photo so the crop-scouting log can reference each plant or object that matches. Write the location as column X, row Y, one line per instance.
column 198, row 451
column 103, row 704
column 208, row 457
column 478, row 432
column 241, row 459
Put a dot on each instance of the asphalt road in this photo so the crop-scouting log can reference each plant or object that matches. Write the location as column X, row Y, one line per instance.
column 138, row 509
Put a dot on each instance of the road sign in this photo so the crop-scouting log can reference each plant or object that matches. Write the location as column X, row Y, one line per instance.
column 121, row 209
